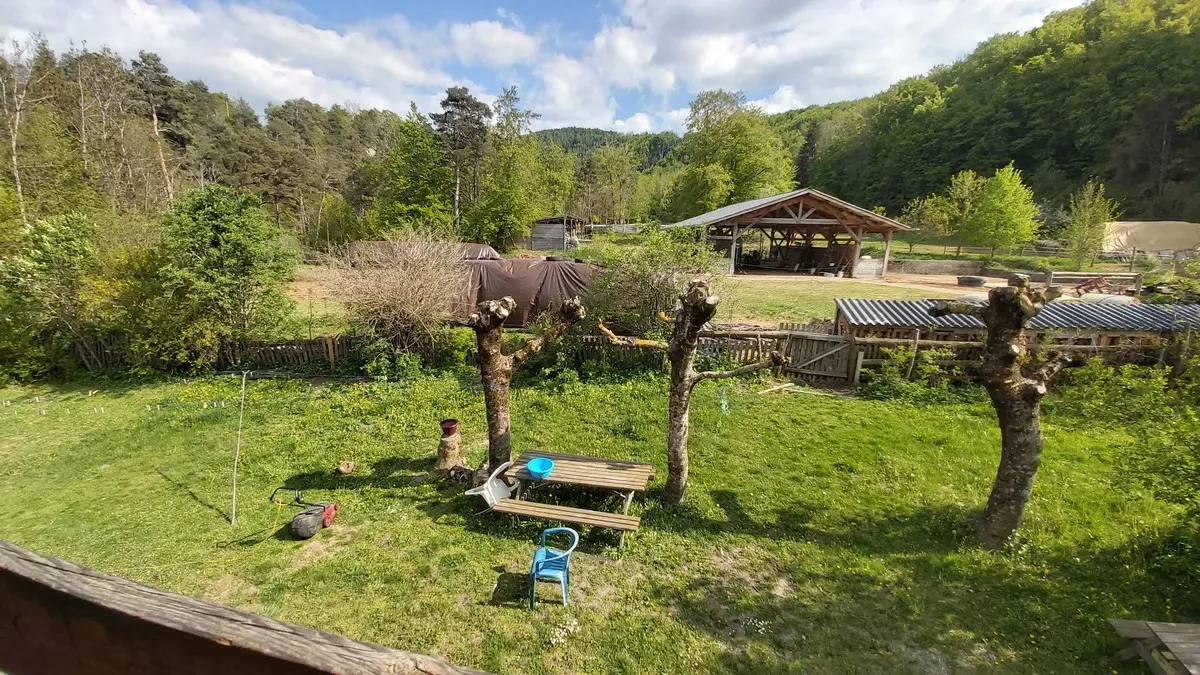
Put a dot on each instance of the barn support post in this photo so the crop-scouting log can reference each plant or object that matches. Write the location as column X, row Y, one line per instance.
column 733, row 251
column 857, row 252
column 887, row 253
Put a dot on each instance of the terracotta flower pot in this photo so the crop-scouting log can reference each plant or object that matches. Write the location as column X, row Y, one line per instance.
column 449, row 427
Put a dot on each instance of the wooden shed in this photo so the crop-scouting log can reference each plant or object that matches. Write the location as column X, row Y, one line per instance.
column 804, row 231
column 555, row 233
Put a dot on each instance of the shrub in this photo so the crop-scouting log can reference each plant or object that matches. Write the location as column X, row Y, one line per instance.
column 44, row 284
column 636, row 284
column 221, row 280
column 402, row 290
column 929, row 381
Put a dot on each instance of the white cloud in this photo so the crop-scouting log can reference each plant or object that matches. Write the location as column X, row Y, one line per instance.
column 245, row 50
column 785, row 53
column 637, row 123
column 784, row 98
column 571, row 94
column 623, row 56
column 491, row 43
column 824, row 50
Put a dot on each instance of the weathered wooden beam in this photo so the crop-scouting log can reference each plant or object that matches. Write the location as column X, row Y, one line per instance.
column 59, row 617
column 797, row 221
column 887, row 254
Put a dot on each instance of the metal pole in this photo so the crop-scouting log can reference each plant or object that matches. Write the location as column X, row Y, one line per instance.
column 237, row 450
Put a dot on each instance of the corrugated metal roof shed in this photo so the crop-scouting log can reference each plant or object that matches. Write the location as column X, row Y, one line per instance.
column 1054, row 316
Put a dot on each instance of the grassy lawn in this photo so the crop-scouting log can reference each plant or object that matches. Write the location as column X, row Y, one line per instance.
column 798, row 299
column 820, row 534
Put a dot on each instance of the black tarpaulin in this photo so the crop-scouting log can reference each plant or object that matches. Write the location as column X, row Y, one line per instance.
column 536, row 285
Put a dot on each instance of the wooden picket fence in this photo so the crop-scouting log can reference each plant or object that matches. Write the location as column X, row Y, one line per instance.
column 329, row 348
column 112, row 351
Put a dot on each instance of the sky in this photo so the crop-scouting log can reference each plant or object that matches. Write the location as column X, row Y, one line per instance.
column 628, row 65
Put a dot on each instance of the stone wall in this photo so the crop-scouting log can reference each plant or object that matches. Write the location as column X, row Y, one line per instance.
column 954, row 267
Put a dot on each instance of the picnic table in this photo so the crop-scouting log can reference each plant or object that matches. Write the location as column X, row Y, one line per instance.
column 623, row 477
column 1168, row 648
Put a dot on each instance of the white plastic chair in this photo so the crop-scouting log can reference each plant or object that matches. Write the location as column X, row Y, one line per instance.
column 494, row 489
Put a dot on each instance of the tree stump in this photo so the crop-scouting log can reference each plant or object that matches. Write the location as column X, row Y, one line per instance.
column 696, row 308
column 496, row 368
column 1016, row 386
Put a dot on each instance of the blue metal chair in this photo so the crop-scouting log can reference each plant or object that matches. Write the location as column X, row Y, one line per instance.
column 552, row 564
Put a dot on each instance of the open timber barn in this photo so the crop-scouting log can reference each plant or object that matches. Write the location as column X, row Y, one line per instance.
column 804, row 231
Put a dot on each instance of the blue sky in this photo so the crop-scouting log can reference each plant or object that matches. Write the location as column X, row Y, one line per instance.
column 630, row 65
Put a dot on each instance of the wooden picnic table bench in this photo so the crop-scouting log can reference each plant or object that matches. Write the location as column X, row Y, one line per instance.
column 1168, row 648
column 623, row 477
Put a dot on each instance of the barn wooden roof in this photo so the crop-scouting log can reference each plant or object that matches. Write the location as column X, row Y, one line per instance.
column 806, row 209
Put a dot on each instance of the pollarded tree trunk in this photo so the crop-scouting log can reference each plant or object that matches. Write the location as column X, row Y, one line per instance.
column 696, row 308
column 1016, row 388
column 496, row 368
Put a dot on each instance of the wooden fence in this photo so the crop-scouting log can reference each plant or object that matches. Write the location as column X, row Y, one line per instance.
column 814, row 355
column 835, row 360
column 329, row 348
column 59, row 617
column 112, row 351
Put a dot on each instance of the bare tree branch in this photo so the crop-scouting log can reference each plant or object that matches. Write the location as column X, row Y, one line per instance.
column 775, row 360
column 569, row 314
column 623, row 341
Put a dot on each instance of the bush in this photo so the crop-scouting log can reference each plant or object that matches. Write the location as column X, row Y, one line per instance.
column 402, row 290
column 636, row 284
column 221, row 280
column 1096, row 394
column 45, row 295
column 930, row 382
column 385, row 362
column 1161, row 413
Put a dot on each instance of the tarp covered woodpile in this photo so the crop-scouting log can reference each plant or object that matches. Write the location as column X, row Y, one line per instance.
column 536, row 285
column 1152, row 236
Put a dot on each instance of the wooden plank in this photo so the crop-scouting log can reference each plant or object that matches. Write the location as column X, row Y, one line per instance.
column 530, row 454
column 1131, row 629
column 612, row 521
column 59, row 617
column 1160, row 627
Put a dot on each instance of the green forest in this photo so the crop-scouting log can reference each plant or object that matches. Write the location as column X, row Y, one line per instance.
column 1109, row 90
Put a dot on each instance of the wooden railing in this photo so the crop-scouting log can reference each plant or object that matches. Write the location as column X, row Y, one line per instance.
column 59, row 617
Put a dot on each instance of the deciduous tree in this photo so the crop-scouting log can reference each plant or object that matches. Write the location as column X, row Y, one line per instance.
column 696, row 307
column 496, row 368
column 1088, row 217
column 1016, row 384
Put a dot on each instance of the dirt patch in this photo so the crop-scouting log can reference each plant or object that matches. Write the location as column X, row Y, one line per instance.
column 230, row 590
column 324, row 545
column 312, row 283
column 929, row 661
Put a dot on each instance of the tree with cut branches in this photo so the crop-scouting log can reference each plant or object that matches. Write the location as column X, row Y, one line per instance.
column 1016, row 384
column 696, row 308
column 496, row 368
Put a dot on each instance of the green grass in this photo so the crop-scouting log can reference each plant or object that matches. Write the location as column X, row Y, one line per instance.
column 819, row 535
column 798, row 299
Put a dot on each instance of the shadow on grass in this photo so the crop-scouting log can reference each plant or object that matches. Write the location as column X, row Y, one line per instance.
column 192, row 494
column 511, row 590
column 917, row 595
column 389, row 472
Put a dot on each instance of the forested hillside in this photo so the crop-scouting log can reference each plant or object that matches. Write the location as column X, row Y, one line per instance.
column 1110, row 90
column 651, row 149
